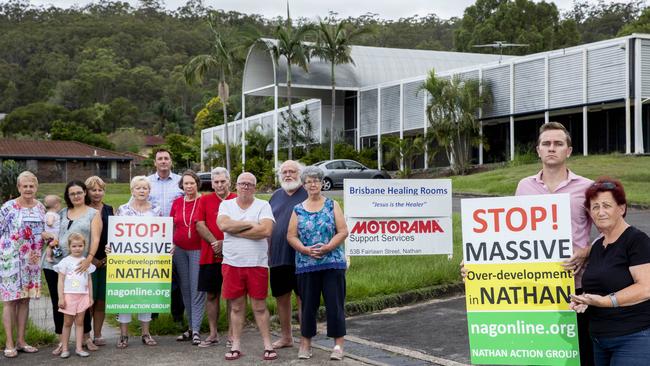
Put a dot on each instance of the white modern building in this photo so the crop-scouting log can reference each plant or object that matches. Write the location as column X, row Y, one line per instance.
column 597, row 90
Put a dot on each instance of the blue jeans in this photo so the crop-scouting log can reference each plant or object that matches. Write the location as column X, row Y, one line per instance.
column 628, row 350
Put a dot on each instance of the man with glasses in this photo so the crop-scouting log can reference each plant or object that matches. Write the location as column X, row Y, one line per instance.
column 210, row 278
column 247, row 222
column 553, row 149
column 282, row 255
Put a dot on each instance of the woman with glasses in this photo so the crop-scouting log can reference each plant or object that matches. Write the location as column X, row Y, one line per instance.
column 316, row 231
column 77, row 217
column 616, row 281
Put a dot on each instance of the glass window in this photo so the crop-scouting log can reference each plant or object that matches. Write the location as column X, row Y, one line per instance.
column 352, row 165
column 335, row 165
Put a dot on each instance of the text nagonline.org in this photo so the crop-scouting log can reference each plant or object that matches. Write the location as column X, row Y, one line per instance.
column 522, row 327
column 137, row 292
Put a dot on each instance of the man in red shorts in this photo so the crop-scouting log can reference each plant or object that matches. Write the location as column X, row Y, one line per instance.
column 246, row 222
column 210, row 278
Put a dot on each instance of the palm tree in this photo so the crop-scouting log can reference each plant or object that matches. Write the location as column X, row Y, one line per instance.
column 453, row 116
column 289, row 43
column 333, row 45
column 225, row 53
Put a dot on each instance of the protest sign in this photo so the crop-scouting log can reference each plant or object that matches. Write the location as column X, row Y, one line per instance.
column 517, row 292
column 398, row 216
column 138, row 274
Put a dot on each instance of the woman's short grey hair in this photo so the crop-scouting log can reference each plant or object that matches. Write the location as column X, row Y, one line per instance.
column 220, row 170
column 311, row 172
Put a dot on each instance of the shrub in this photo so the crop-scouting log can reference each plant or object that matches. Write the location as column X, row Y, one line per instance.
column 9, row 171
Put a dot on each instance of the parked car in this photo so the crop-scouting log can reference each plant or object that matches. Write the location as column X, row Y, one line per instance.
column 206, row 181
column 337, row 170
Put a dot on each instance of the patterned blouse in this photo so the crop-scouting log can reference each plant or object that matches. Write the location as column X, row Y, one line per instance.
column 20, row 236
column 318, row 227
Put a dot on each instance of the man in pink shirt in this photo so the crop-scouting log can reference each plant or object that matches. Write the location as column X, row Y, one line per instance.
column 553, row 148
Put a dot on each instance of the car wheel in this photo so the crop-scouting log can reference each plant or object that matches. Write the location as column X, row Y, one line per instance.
column 377, row 177
column 327, row 184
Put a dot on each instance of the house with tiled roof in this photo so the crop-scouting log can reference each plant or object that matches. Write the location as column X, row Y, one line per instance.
column 63, row 161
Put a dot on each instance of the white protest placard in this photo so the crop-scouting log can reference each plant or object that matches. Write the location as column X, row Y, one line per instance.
column 398, row 216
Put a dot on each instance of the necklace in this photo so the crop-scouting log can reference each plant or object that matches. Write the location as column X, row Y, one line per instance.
column 189, row 231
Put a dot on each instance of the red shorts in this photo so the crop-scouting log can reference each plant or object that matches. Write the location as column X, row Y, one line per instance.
column 239, row 281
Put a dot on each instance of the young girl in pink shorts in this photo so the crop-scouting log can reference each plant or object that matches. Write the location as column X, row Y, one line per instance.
column 75, row 294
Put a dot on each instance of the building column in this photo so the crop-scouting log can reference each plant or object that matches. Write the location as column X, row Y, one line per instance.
column 426, row 123
column 628, row 102
column 243, row 130
column 638, row 103
column 512, row 138
column 275, row 126
column 379, row 128
column 585, row 134
column 401, row 122
column 358, row 129
column 480, row 117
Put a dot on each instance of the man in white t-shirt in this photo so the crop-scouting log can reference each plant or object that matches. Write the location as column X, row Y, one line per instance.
column 246, row 223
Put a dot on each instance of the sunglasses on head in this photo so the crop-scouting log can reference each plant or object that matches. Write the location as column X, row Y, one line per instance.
column 604, row 185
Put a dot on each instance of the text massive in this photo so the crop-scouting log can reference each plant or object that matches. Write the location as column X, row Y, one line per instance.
column 396, row 226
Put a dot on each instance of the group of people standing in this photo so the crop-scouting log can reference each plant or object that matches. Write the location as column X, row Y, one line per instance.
column 223, row 246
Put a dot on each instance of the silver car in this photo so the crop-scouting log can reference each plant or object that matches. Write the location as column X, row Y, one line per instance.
column 337, row 170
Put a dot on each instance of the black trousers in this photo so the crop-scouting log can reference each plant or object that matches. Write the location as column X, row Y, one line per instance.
column 584, row 339
column 177, row 307
column 52, row 279
column 331, row 284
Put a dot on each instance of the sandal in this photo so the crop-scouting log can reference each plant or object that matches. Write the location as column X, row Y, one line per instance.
column 228, row 343
column 99, row 341
column 123, row 342
column 235, row 354
column 10, row 353
column 304, row 354
column 27, row 349
column 196, row 339
column 337, row 354
column 208, row 343
column 270, row 355
column 57, row 351
column 90, row 345
column 147, row 340
column 183, row 337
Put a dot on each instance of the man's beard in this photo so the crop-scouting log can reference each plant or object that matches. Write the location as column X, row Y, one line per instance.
column 290, row 186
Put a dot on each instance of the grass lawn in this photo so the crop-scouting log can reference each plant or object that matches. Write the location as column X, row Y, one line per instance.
column 633, row 171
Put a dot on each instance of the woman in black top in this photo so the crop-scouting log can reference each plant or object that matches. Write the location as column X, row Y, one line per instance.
column 96, row 190
column 616, row 281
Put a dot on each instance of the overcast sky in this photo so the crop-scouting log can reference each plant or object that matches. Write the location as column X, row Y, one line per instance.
column 387, row 9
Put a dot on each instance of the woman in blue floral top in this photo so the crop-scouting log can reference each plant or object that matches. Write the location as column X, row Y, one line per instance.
column 316, row 231
column 22, row 221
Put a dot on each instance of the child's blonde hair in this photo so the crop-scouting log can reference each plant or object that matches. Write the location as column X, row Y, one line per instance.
column 76, row 236
column 51, row 200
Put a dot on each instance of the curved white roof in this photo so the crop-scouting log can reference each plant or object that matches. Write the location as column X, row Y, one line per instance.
column 373, row 65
